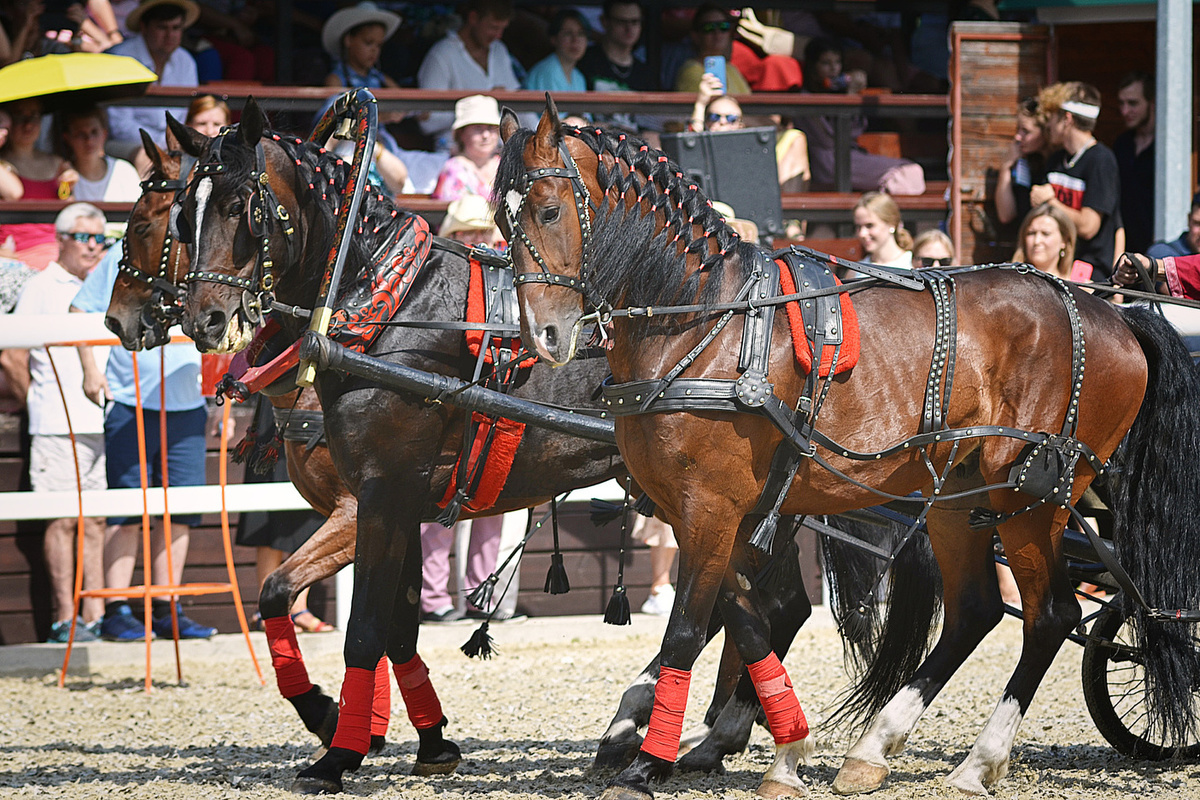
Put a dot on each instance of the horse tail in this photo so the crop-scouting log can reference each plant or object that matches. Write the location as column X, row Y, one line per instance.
column 899, row 633
column 1155, row 477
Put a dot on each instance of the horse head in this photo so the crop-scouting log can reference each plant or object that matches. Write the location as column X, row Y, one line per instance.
column 239, row 217
column 145, row 296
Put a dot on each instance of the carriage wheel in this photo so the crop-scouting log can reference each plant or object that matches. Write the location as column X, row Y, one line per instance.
column 1115, row 691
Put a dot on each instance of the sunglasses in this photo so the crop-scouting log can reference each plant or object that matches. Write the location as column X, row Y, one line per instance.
column 716, row 27
column 730, row 118
column 929, row 261
column 94, row 238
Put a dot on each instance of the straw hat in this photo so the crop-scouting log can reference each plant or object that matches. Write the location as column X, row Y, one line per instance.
column 191, row 12
column 349, row 18
column 468, row 213
column 478, row 109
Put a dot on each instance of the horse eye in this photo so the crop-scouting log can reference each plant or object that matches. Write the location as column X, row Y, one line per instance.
column 237, row 209
column 549, row 215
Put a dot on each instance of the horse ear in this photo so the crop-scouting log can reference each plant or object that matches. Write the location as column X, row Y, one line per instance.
column 153, row 152
column 549, row 129
column 192, row 141
column 508, row 123
column 251, row 127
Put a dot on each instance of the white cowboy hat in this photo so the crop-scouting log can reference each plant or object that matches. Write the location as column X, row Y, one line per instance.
column 349, row 18
column 477, row 109
column 468, row 213
column 191, row 12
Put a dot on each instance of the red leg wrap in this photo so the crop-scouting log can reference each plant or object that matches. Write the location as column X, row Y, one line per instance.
column 424, row 708
column 290, row 674
column 381, row 708
column 354, row 710
column 666, row 719
column 784, row 716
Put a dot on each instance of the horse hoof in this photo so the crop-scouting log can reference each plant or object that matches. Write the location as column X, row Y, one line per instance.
column 773, row 790
column 858, row 776
column 618, row 792
column 616, row 756
column 423, row 769
column 314, row 785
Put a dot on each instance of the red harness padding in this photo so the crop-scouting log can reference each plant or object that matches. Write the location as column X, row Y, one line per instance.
column 477, row 312
column 784, row 716
column 666, row 718
column 381, row 705
column 848, row 357
column 354, row 710
column 290, row 673
column 424, row 708
column 499, row 461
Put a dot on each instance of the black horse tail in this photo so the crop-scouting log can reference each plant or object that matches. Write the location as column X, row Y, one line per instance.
column 899, row 633
column 1155, row 477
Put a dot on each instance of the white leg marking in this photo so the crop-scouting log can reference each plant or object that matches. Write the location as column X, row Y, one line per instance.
column 788, row 758
column 891, row 728
column 988, row 760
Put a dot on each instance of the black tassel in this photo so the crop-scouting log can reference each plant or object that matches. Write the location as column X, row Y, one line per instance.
column 241, row 451
column 645, row 506
column 603, row 512
column 764, row 534
column 480, row 645
column 449, row 514
column 481, row 595
column 772, row 580
column 556, row 578
column 857, row 625
column 617, row 612
column 263, row 460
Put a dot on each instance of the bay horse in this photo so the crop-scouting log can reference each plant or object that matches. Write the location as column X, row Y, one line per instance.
column 395, row 451
column 605, row 229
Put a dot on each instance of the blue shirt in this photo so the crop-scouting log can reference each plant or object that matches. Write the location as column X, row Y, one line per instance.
column 182, row 360
column 1179, row 247
column 547, row 76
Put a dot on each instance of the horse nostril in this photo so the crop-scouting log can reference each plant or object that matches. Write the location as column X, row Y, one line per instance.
column 114, row 325
column 214, row 324
column 550, row 335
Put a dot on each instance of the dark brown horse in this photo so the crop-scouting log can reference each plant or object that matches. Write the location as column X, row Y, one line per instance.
column 601, row 222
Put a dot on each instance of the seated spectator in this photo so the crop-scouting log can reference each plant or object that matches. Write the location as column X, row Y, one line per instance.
column 469, row 220
column 1047, row 241
column 11, row 187
column 22, row 32
column 82, row 133
column 207, row 115
column 880, row 231
column 354, row 37
column 160, row 25
column 1188, row 243
column 472, row 58
column 43, row 176
column 557, row 72
column 1024, row 164
column 712, row 35
column 477, row 139
column 823, row 73
column 1082, row 176
column 613, row 65
column 932, row 248
column 228, row 26
column 60, row 433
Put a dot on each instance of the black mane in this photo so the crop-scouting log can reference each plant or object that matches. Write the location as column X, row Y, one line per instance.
column 626, row 258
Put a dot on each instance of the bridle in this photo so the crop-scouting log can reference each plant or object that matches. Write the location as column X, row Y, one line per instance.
column 264, row 214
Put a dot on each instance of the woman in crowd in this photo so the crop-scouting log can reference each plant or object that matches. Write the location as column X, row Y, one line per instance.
column 1024, row 163
column 932, row 248
column 880, row 231
column 44, row 176
column 354, row 37
column 207, row 115
column 477, row 137
column 558, row 72
column 1047, row 241
column 82, row 133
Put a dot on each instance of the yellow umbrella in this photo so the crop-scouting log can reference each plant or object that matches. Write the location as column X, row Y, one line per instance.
column 74, row 78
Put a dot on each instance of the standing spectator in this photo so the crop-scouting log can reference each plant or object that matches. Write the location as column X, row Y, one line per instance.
column 477, row 139
column 81, row 241
column 1081, row 177
column 880, row 232
column 1188, row 243
column 1025, row 163
column 473, row 58
column 612, row 65
column 185, row 457
column 557, row 72
column 43, row 176
column 1134, row 151
column 354, row 37
column 712, row 35
column 436, row 603
column 659, row 537
column 1047, row 240
column 83, row 132
column 160, row 25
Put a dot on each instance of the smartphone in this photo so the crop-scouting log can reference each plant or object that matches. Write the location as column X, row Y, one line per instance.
column 715, row 65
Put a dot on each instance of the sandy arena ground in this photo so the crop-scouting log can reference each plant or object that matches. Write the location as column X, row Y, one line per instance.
column 527, row 721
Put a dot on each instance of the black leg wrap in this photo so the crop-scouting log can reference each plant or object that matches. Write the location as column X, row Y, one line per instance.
column 325, row 776
column 318, row 712
column 436, row 755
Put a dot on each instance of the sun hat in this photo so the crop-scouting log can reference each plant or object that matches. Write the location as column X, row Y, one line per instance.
column 191, row 12
column 468, row 213
column 347, row 19
column 477, row 109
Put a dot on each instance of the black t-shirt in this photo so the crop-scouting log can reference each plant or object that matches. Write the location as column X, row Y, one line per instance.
column 604, row 76
column 1137, row 192
column 1089, row 179
column 1029, row 171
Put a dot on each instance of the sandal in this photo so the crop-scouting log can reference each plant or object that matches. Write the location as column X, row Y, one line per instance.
column 312, row 623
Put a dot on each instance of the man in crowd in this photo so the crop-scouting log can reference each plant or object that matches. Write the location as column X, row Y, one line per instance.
column 612, row 64
column 1134, row 150
column 186, row 418
column 36, row 379
column 471, row 58
column 1081, row 177
column 1188, row 243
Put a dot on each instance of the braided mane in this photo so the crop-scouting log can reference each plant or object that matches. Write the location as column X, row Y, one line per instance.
column 628, row 253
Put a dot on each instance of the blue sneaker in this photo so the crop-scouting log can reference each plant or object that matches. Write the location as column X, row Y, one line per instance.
column 122, row 626
column 188, row 627
column 60, row 632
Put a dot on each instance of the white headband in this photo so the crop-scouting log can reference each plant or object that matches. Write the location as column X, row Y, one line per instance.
column 1081, row 109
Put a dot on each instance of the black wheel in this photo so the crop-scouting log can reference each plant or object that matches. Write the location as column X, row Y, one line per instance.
column 1114, row 689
